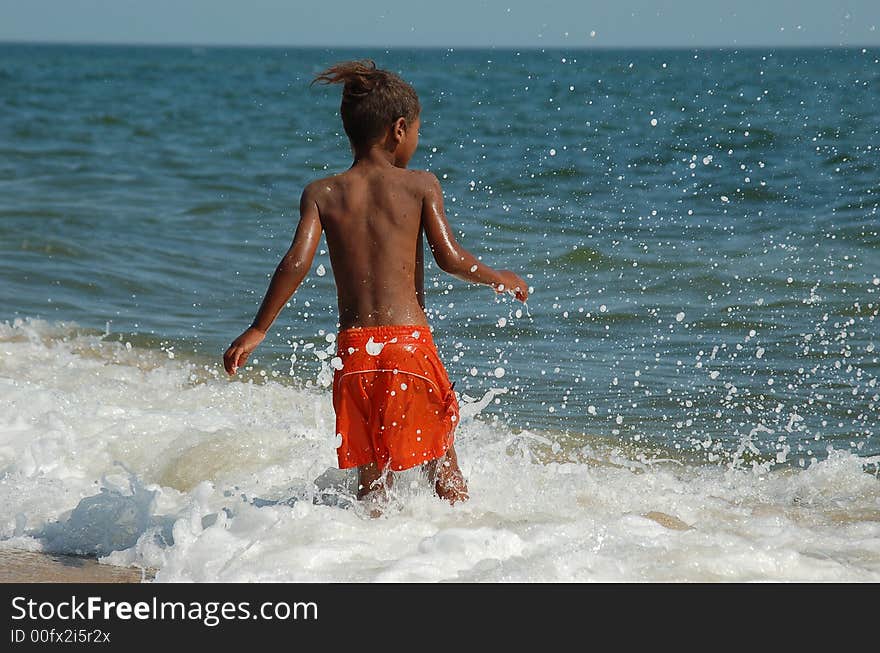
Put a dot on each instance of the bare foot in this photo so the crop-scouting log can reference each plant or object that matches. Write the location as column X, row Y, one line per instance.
column 450, row 484
column 374, row 502
column 373, row 485
column 447, row 478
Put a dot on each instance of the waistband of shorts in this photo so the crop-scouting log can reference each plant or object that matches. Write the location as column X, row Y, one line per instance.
column 411, row 333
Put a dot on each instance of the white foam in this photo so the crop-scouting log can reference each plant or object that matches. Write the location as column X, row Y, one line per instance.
column 241, row 476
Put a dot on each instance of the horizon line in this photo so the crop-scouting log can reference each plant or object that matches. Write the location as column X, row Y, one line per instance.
column 532, row 47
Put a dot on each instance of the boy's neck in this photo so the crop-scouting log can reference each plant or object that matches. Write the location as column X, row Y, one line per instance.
column 375, row 154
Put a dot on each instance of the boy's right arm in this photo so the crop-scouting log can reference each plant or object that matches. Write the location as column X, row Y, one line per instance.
column 289, row 274
column 455, row 259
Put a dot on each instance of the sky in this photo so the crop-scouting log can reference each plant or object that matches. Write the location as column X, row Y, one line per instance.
column 447, row 23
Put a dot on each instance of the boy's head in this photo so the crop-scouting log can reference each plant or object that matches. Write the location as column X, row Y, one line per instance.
column 373, row 103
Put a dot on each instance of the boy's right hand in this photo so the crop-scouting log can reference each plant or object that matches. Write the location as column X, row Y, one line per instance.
column 512, row 283
column 241, row 348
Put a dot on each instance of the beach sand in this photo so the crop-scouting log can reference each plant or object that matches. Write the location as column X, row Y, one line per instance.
column 35, row 567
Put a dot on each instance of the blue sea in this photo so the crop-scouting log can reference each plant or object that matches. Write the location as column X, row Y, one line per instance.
column 690, row 393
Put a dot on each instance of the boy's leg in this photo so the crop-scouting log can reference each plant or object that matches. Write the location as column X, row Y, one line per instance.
column 373, row 485
column 447, row 478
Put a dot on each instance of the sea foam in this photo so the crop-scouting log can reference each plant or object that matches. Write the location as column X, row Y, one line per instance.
column 124, row 453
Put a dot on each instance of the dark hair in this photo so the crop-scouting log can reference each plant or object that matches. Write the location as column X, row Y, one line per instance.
column 372, row 98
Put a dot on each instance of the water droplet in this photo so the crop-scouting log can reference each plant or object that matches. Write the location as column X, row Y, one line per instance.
column 373, row 348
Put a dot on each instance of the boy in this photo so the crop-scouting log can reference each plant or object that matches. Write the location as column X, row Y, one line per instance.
column 395, row 407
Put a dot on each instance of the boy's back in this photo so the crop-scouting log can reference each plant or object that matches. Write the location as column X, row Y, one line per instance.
column 371, row 216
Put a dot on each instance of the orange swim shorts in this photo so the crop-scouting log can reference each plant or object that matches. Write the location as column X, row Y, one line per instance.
column 393, row 400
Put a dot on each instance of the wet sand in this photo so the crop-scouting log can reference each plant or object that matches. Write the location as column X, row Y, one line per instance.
column 35, row 567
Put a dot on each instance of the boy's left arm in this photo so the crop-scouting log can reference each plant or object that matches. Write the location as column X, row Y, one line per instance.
column 420, row 269
column 289, row 274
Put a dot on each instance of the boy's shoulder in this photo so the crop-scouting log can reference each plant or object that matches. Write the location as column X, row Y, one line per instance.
column 425, row 177
column 317, row 191
column 322, row 185
column 423, row 182
column 420, row 180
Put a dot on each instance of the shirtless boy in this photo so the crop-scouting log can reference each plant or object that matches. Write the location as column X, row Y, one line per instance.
column 395, row 407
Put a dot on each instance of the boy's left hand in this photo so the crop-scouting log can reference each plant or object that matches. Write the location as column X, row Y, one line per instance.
column 241, row 348
column 513, row 284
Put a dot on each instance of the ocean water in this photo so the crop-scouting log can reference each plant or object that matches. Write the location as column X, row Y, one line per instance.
column 691, row 392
